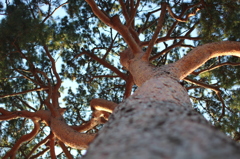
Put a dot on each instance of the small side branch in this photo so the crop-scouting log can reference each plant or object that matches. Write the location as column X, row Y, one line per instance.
column 155, row 35
column 215, row 67
column 104, row 63
column 23, row 92
column 103, row 105
column 44, row 141
column 178, row 18
column 115, row 23
column 52, row 147
column 213, row 88
column 65, row 150
column 54, row 11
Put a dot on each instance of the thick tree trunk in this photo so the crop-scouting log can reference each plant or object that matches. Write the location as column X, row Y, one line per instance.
column 159, row 122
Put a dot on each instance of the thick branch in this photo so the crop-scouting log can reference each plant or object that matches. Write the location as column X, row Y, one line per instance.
column 103, row 105
column 191, row 61
column 68, row 135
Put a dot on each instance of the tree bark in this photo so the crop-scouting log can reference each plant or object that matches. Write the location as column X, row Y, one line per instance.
column 157, row 121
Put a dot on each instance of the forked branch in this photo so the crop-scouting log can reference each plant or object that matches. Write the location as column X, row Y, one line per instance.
column 115, row 23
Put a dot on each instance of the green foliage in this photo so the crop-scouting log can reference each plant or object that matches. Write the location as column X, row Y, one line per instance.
column 220, row 20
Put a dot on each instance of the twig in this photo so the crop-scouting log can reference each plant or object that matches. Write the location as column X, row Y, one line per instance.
column 23, row 92
column 54, row 11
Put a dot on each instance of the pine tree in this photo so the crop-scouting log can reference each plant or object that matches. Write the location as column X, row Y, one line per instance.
column 118, row 75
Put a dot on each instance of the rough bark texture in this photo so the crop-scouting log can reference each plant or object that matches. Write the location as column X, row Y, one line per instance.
column 159, row 122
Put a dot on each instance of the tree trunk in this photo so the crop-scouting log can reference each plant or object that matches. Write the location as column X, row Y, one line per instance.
column 158, row 121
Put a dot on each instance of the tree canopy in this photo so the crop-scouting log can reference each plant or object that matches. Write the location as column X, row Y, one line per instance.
column 56, row 56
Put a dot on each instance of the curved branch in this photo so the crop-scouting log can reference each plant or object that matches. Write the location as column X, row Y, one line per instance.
column 22, row 139
column 68, row 135
column 191, row 61
column 178, row 18
column 43, row 115
column 54, row 11
column 98, row 117
column 103, row 105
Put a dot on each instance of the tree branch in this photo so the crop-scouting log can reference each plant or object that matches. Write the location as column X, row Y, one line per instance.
column 116, row 24
column 104, row 63
column 174, row 45
column 54, row 69
column 65, row 150
column 23, row 92
column 155, row 35
column 68, row 135
column 214, row 88
column 191, row 61
column 178, row 18
column 54, row 11
column 40, row 153
column 44, row 141
column 22, row 139
column 124, row 10
column 52, row 147
column 103, row 105
column 216, row 66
